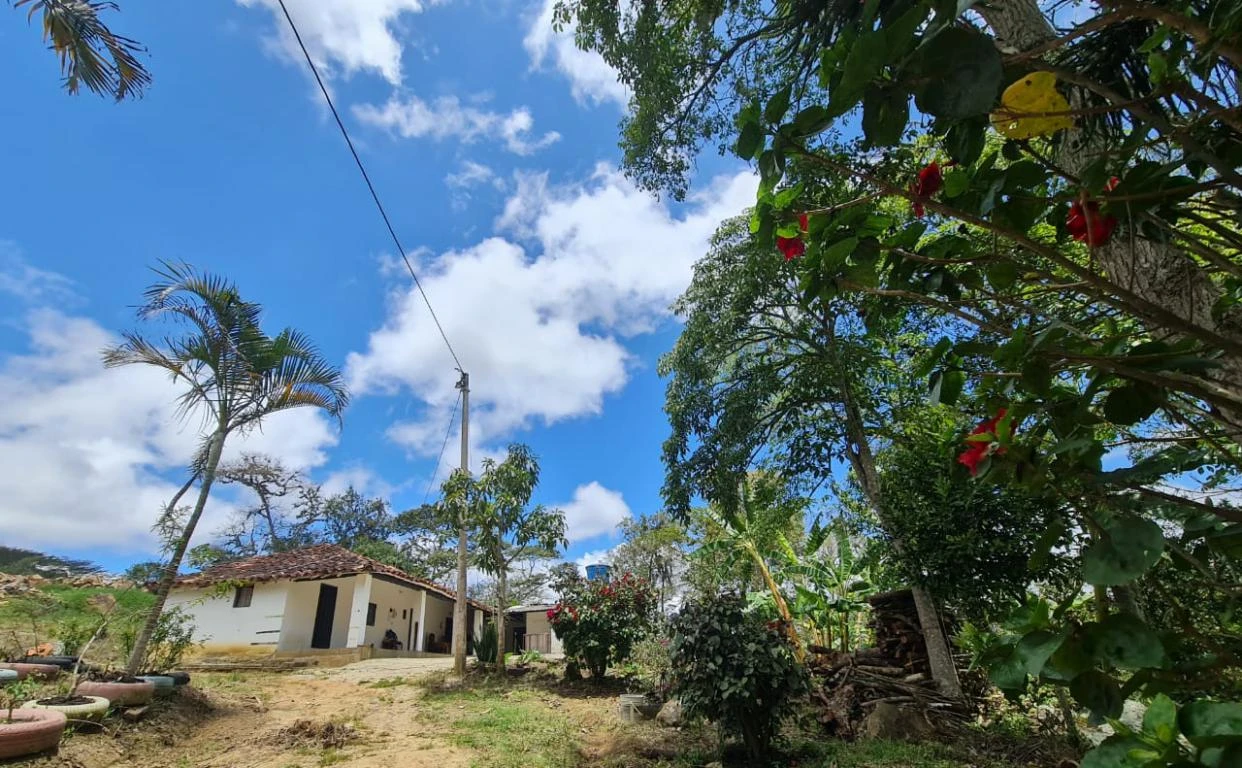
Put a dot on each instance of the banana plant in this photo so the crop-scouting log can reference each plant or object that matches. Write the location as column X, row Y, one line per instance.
column 755, row 532
column 832, row 588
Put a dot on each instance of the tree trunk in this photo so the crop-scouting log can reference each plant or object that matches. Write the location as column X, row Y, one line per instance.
column 502, row 602
column 939, row 654
column 459, row 606
column 169, row 574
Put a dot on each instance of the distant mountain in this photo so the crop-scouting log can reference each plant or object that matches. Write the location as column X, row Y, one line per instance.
column 25, row 562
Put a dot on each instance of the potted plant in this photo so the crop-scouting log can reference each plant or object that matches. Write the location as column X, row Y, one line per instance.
column 172, row 638
column 15, row 660
column 117, row 688
column 26, row 731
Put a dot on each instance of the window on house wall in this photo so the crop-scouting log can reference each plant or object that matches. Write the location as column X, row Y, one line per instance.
column 370, row 614
column 242, row 596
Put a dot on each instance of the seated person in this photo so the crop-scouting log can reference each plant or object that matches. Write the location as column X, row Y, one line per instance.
column 390, row 641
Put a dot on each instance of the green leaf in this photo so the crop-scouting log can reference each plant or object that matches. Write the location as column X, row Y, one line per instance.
column 1009, row 672
column 749, row 141
column 962, row 72
column 774, row 111
column 1097, row 692
column 956, row 182
column 1043, row 547
column 1131, row 403
column 885, row 114
column 965, row 140
column 948, row 387
column 771, row 168
column 1124, row 551
column 1002, row 274
column 835, row 254
column 865, row 60
column 811, row 121
column 1160, row 719
column 1115, row 752
column 1036, row 648
column 1124, row 641
column 1211, row 723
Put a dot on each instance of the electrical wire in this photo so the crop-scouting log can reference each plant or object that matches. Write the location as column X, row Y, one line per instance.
column 365, row 177
column 447, row 433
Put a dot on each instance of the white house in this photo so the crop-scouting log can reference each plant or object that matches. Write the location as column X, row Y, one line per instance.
column 529, row 630
column 318, row 599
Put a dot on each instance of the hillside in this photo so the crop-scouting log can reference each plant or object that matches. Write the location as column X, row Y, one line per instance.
column 25, row 562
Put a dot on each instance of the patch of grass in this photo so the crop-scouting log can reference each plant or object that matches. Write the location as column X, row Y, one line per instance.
column 332, row 757
column 390, row 682
column 509, row 730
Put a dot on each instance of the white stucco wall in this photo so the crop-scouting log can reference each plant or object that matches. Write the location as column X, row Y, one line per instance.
column 298, row 623
column 439, row 609
column 217, row 622
column 537, row 624
column 390, row 600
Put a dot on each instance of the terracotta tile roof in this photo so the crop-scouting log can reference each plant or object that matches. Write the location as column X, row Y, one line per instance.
column 322, row 561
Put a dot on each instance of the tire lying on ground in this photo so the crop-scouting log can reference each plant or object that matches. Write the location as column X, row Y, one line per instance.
column 163, row 684
column 8, row 675
column 179, row 678
column 64, row 662
column 92, row 708
column 121, row 694
column 37, row 671
column 32, row 731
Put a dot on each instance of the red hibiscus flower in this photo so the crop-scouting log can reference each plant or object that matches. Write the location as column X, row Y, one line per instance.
column 793, row 247
column 978, row 450
column 1087, row 225
column 929, row 182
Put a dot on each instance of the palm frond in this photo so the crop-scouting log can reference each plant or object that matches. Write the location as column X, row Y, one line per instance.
column 90, row 53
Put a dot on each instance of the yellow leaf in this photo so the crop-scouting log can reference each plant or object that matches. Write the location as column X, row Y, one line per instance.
column 1025, row 108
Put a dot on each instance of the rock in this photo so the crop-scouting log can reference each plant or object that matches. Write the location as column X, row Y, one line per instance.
column 1132, row 713
column 893, row 723
column 670, row 714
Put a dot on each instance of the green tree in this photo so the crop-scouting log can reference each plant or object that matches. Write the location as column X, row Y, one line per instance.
column 565, row 580
column 653, row 548
column 759, row 376
column 90, row 53
column 234, row 375
column 505, row 527
column 973, row 545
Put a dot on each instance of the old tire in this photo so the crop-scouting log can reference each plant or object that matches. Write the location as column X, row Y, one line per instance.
column 120, row 694
column 163, row 684
column 8, row 675
column 93, row 712
column 179, row 678
column 32, row 731
column 37, row 671
column 64, row 662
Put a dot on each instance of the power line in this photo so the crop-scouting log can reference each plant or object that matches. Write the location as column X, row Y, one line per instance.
column 374, row 196
column 447, row 433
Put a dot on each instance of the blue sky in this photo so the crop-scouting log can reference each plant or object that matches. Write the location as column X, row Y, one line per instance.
column 493, row 144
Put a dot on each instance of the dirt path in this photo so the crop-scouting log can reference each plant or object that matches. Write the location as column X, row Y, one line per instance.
column 276, row 721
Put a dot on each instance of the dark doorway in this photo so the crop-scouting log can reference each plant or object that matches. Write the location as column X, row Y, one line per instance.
column 324, row 611
column 448, row 633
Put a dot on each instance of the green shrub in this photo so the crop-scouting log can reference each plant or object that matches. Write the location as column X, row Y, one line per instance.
column 486, row 646
column 603, row 623
column 173, row 636
column 733, row 667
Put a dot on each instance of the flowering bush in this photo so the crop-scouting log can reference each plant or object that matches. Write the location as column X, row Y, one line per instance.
column 608, row 618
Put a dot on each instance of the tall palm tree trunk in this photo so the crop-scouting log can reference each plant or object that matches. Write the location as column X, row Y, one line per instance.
column 169, row 574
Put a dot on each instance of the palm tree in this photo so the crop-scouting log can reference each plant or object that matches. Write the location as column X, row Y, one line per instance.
column 90, row 54
column 234, row 375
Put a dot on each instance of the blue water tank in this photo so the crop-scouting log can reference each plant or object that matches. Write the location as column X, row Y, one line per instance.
column 597, row 572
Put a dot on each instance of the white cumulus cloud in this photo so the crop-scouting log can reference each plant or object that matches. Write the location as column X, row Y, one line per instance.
column 594, row 510
column 541, row 326
column 89, row 456
column 590, row 77
column 448, row 117
column 345, row 36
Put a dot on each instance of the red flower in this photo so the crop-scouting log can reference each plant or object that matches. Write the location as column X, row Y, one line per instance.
column 929, row 182
column 793, row 247
column 1087, row 225
column 978, row 450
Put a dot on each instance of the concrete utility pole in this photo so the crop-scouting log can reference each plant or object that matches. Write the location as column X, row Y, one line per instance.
column 459, row 608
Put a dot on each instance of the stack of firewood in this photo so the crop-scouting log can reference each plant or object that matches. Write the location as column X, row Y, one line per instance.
column 894, row 671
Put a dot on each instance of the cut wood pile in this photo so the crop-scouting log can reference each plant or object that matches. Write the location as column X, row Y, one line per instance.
column 894, row 672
